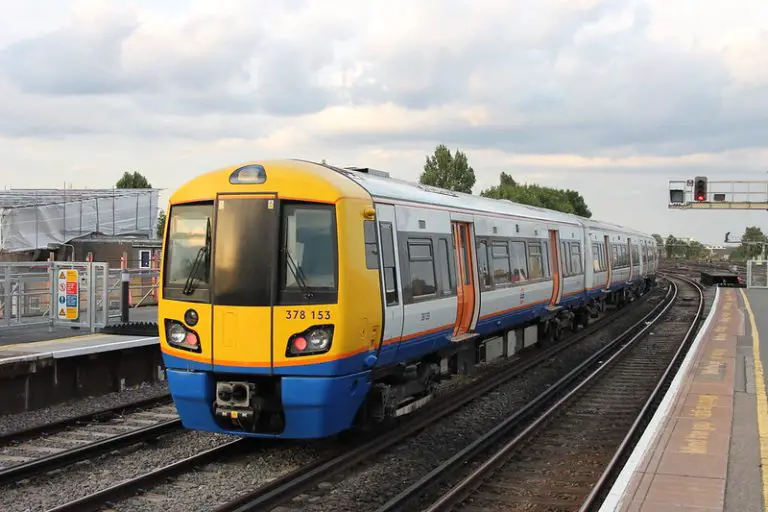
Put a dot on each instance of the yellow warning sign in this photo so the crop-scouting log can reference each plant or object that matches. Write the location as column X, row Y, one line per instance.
column 68, row 295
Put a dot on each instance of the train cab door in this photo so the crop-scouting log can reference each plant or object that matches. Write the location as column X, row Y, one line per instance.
column 608, row 262
column 555, row 263
column 246, row 224
column 390, row 281
column 467, row 306
column 631, row 257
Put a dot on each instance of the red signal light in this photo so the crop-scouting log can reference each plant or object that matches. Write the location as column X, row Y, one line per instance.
column 700, row 188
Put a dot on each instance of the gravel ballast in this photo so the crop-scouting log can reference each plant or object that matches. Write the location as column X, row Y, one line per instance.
column 214, row 484
column 372, row 485
column 23, row 420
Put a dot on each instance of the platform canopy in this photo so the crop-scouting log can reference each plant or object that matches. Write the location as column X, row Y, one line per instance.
column 31, row 219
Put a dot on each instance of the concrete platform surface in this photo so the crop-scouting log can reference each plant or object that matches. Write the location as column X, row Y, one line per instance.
column 707, row 442
column 71, row 347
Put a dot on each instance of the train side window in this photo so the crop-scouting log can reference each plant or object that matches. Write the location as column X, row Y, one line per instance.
column 482, row 264
column 502, row 273
column 390, row 269
column 576, row 257
column 596, row 258
column 519, row 261
column 422, row 266
column 446, row 278
column 371, row 245
column 536, row 260
column 565, row 258
column 603, row 258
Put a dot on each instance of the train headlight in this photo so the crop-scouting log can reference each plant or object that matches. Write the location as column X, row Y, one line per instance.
column 176, row 334
column 319, row 339
column 179, row 336
column 315, row 340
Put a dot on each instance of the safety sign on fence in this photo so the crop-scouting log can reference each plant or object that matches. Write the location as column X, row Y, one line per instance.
column 68, row 300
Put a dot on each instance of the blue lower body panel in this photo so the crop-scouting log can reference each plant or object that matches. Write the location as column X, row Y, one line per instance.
column 314, row 407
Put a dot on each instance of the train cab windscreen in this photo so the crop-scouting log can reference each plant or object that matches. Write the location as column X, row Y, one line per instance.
column 308, row 256
column 187, row 259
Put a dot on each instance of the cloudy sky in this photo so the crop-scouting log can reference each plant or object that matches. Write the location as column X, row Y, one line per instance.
column 611, row 97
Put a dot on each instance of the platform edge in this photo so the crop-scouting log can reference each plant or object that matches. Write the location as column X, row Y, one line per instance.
column 618, row 491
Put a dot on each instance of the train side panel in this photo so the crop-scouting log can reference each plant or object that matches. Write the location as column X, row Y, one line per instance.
column 428, row 277
column 511, row 296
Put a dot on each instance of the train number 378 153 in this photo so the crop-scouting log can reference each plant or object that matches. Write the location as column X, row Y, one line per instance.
column 300, row 314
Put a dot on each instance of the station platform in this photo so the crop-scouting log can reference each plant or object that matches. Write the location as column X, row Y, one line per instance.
column 706, row 448
column 71, row 347
column 40, row 374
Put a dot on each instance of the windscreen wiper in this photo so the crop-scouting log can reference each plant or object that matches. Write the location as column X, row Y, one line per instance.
column 298, row 274
column 199, row 258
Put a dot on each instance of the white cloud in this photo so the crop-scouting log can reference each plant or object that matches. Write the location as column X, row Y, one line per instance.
column 590, row 94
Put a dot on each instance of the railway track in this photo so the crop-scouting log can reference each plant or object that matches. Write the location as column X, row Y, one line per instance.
column 566, row 458
column 44, row 448
column 290, row 485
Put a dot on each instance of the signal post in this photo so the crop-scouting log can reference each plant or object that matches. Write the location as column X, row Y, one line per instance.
column 702, row 194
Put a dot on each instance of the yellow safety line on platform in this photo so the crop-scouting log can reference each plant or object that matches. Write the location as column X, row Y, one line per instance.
column 762, row 401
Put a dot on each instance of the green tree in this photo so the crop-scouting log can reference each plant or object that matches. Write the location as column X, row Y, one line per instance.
column 578, row 203
column 133, row 180
column 567, row 201
column 447, row 171
column 507, row 180
column 160, row 223
column 695, row 250
column 751, row 244
column 675, row 248
column 659, row 240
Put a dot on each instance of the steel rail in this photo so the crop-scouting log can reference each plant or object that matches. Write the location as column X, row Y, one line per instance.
column 283, row 489
column 613, row 468
column 624, row 341
column 64, row 458
column 109, row 412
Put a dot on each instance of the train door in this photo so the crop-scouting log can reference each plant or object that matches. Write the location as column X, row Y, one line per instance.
column 608, row 261
column 631, row 257
column 243, row 265
column 556, row 266
column 466, row 284
column 390, row 280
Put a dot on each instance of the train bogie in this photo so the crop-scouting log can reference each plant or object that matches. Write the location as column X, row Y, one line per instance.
column 299, row 299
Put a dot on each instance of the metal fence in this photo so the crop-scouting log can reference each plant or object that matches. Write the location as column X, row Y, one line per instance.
column 757, row 274
column 142, row 288
column 72, row 294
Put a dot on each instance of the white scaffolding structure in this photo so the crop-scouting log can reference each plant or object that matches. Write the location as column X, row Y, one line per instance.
column 31, row 219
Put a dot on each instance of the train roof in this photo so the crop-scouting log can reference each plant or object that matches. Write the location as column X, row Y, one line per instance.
column 599, row 224
column 381, row 186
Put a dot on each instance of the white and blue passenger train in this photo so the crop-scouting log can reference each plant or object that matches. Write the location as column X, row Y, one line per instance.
column 320, row 295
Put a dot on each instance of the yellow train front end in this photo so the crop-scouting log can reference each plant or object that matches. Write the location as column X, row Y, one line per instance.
column 270, row 318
